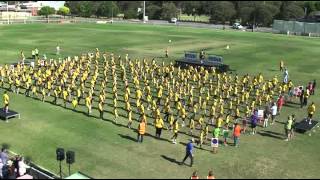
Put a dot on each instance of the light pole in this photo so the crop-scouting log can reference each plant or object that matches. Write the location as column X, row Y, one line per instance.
column 144, row 11
column 8, row 11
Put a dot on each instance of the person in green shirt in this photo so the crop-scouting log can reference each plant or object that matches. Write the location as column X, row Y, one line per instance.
column 216, row 132
column 225, row 133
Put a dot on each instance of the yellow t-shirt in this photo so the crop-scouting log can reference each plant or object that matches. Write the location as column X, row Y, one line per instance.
column 6, row 99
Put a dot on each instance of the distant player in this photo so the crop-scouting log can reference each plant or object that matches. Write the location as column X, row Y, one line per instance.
column 6, row 100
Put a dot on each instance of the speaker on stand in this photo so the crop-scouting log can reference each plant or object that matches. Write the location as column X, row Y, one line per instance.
column 60, row 157
column 70, row 159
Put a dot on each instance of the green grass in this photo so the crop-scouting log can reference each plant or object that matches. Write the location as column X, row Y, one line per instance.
column 102, row 152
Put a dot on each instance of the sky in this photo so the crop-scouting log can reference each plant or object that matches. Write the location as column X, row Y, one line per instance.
column 55, row 4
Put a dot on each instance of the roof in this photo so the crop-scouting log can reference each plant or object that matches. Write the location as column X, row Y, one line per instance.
column 78, row 175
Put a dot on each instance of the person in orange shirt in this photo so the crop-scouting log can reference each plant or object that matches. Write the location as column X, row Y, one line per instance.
column 141, row 130
column 210, row 175
column 236, row 134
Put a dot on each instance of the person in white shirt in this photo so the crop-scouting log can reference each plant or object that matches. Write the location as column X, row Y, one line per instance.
column 1, row 166
column 22, row 167
column 274, row 110
column 58, row 50
column 286, row 76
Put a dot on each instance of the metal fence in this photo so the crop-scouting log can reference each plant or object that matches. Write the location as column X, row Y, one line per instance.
column 296, row 28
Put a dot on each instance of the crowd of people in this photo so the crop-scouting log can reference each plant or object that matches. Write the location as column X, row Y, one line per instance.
column 11, row 168
column 196, row 101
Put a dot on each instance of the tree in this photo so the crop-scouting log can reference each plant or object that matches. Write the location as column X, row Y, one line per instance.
column 46, row 11
column 130, row 14
column 169, row 10
column 222, row 11
column 87, row 8
column 153, row 11
column 258, row 13
column 310, row 5
column 107, row 9
column 64, row 11
column 292, row 11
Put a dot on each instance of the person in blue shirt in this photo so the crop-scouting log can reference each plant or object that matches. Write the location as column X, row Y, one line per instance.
column 189, row 152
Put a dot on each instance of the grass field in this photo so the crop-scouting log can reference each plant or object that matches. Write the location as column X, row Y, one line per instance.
column 104, row 149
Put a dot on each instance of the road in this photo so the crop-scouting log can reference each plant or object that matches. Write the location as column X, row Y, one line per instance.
column 191, row 24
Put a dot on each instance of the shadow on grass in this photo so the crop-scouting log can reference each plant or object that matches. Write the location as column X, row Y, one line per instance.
column 128, row 137
column 270, row 132
column 269, row 135
column 170, row 159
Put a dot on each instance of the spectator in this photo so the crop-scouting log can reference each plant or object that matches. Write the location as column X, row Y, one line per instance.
column 293, row 125
column 194, row 175
column 266, row 116
column 254, row 120
column 22, row 167
column 301, row 97
column 1, row 166
column 280, row 103
column 288, row 127
column 306, row 97
column 285, row 76
column 313, row 87
column 189, row 152
column 225, row 133
column 4, row 156
column 16, row 165
column 274, row 110
column 236, row 134
column 210, row 175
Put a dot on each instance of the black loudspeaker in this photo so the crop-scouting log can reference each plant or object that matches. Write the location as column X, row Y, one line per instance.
column 70, row 157
column 60, row 154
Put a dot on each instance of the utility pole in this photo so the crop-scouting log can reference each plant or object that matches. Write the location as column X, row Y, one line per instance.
column 112, row 14
column 8, row 11
column 144, row 11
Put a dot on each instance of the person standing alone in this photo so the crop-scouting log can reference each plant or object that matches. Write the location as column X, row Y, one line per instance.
column 6, row 100
column 141, row 130
column 189, row 152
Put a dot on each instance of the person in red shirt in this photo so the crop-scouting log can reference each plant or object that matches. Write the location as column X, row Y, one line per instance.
column 194, row 175
column 236, row 134
column 280, row 103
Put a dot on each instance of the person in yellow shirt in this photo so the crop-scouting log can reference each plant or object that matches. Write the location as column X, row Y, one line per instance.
column 6, row 100
column 129, row 118
column 191, row 126
column 65, row 96
column 311, row 111
column 74, row 103
column 281, row 65
column 88, row 104
column 201, row 136
column 183, row 116
column 159, row 126
column 100, row 108
column 175, row 130
column 219, row 122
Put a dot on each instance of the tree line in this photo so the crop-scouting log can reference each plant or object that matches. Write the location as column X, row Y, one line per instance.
column 259, row 13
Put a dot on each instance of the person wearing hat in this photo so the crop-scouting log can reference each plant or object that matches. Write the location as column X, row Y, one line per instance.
column 189, row 152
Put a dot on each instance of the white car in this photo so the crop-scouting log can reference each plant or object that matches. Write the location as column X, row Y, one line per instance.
column 237, row 26
column 173, row 20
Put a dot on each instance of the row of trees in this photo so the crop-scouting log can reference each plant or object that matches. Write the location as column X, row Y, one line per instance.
column 247, row 12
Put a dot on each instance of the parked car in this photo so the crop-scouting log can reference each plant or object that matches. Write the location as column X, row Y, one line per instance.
column 173, row 20
column 237, row 26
